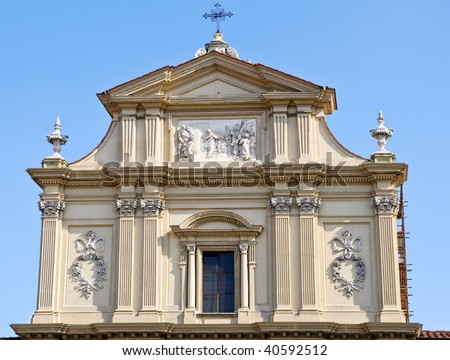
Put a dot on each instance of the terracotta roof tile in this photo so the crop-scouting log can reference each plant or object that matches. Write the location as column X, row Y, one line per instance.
column 434, row 335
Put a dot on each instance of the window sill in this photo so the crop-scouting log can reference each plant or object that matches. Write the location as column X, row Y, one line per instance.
column 220, row 315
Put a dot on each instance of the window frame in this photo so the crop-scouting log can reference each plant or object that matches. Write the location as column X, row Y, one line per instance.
column 199, row 276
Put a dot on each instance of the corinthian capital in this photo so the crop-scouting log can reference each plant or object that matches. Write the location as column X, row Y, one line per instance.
column 308, row 205
column 52, row 208
column 243, row 248
column 126, row 207
column 153, row 207
column 280, row 205
column 385, row 204
column 190, row 249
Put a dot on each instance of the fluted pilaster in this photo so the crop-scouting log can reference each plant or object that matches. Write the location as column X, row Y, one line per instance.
column 126, row 209
column 52, row 213
column 308, row 211
column 129, row 138
column 280, row 132
column 153, row 138
column 281, row 206
column 151, row 253
column 386, row 208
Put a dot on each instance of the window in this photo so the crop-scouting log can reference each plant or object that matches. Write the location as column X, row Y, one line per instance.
column 218, row 282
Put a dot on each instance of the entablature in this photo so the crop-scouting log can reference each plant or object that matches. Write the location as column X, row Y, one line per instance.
column 217, row 174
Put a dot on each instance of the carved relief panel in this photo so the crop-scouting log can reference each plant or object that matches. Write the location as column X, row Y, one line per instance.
column 89, row 264
column 348, row 265
column 216, row 140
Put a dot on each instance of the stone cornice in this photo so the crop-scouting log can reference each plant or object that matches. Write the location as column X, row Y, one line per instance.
column 218, row 175
column 396, row 173
column 185, row 234
column 277, row 330
column 325, row 97
column 43, row 176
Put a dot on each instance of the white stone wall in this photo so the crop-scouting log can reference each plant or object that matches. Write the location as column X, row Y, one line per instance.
column 289, row 257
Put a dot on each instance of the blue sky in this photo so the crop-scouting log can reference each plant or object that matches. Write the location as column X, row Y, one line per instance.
column 378, row 55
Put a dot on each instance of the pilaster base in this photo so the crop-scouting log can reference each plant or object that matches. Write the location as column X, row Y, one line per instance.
column 283, row 315
column 123, row 316
column 244, row 316
column 150, row 316
column 309, row 315
column 152, row 162
column 190, row 316
column 44, row 317
column 387, row 316
column 279, row 159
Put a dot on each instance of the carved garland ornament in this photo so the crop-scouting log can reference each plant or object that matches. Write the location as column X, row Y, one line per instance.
column 90, row 249
column 347, row 245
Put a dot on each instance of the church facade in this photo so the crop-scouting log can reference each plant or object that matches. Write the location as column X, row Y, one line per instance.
column 220, row 205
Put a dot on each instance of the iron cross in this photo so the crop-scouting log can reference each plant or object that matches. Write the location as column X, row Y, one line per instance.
column 217, row 15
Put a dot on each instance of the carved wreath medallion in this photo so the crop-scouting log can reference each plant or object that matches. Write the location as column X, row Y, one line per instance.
column 90, row 249
column 347, row 245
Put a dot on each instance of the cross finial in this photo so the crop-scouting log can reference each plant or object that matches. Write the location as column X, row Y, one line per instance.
column 217, row 15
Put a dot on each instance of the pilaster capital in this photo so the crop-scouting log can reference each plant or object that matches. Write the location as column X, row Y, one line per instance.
column 281, row 205
column 243, row 248
column 52, row 208
column 126, row 207
column 191, row 249
column 385, row 204
column 152, row 207
column 308, row 205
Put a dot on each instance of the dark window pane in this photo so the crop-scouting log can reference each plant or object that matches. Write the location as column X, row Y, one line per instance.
column 226, row 303
column 209, row 303
column 210, row 283
column 226, row 283
column 226, row 262
column 218, row 281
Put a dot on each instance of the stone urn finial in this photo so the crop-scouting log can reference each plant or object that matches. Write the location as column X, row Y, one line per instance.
column 57, row 139
column 381, row 133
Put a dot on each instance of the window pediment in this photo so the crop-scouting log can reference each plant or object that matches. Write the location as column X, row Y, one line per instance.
column 216, row 224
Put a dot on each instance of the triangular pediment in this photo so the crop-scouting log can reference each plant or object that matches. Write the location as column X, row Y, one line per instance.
column 213, row 74
column 215, row 85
